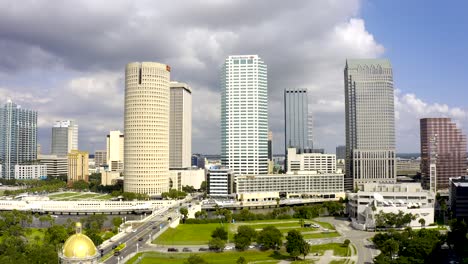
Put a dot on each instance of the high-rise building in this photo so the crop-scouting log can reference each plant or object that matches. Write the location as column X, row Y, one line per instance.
column 244, row 115
column 56, row 165
column 100, row 157
column 78, row 166
column 341, row 152
column 220, row 181
column 296, row 117
column 64, row 137
column 115, row 150
column 18, row 137
column 442, row 145
column 318, row 162
column 180, row 126
column 270, row 152
column 370, row 122
column 146, row 123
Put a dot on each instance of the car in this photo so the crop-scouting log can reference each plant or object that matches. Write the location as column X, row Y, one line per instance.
column 203, row 249
column 154, row 227
column 228, row 248
column 251, row 246
column 114, row 246
column 116, row 253
column 134, row 230
column 186, row 250
column 172, row 250
column 140, row 239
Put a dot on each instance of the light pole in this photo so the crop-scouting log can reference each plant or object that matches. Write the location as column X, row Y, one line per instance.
column 137, row 248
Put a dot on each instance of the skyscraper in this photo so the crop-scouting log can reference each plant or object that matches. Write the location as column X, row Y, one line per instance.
column 115, row 150
column 64, row 137
column 18, row 137
column 146, row 123
column 341, row 152
column 244, row 115
column 296, row 117
column 180, row 126
column 370, row 122
column 442, row 145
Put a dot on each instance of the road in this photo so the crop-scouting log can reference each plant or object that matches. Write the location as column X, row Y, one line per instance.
column 365, row 248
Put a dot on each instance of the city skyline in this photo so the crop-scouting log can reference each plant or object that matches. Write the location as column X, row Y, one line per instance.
column 42, row 69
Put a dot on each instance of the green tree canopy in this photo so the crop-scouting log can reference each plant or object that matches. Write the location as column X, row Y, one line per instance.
column 270, row 237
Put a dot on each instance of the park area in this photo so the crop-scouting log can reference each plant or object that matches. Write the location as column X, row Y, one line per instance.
column 200, row 234
column 78, row 196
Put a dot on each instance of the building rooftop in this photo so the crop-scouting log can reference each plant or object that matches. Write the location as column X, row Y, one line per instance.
column 354, row 63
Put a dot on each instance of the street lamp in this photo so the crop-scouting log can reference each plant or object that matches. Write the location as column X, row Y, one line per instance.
column 137, row 248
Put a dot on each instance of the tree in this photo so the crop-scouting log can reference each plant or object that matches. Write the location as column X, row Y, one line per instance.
column 301, row 222
column 80, row 185
column 270, row 237
column 55, row 235
column 422, row 221
column 216, row 244
column 244, row 237
column 184, row 211
column 203, row 186
column 195, row 259
column 117, row 221
column 220, row 233
column 346, row 243
column 201, row 214
column 188, row 189
column 296, row 245
column 241, row 260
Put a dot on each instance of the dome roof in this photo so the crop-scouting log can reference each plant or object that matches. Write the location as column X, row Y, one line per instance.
column 79, row 245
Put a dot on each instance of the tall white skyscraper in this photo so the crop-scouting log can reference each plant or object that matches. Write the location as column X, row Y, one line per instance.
column 244, row 115
column 180, row 126
column 115, row 150
column 370, row 122
column 146, row 123
column 64, row 137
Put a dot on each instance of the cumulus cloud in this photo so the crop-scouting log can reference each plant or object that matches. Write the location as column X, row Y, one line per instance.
column 67, row 59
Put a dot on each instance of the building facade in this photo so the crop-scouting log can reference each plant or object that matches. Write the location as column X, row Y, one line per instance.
column 115, row 151
column 444, row 146
column 341, row 152
column 303, row 184
column 78, row 166
column 56, row 165
column 296, row 120
column 18, row 137
column 370, row 122
column 220, row 181
column 64, row 137
column 186, row 177
column 322, row 163
column 374, row 198
column 198, row 161
column 146, row 123
column 180, row 126
column 100, row 157
column 458, row 197
column 30, row 172
column 244, row 115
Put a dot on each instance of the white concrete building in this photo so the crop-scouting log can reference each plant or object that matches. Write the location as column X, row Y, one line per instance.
column 115, row 151
column 219, row 181
column 370, row 122
column 303, row 184
column 56, row 165
column 244, row 115
column 322, row 163
column 30, row 172
column 110, row 177
column 187, row 177
column 377, row 197
column 180, row 126
column 146, row 123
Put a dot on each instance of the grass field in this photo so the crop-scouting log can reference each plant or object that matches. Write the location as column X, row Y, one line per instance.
column 62, row 195
column 338, row 249
column 324, row 225
column 321, row 235
column 187, row 234
column 212, row 258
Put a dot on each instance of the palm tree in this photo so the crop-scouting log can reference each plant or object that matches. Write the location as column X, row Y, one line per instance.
column 422, row 222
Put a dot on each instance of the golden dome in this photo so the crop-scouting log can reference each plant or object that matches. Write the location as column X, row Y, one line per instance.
column 79, row 245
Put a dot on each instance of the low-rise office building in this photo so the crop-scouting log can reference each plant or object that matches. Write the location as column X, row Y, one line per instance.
column 303, row 184
column 30, row 172
column 110, row 177
column 389, row 198
column 78, row 166
column 186, row 177
column 458, row 197
column 322, row 163
column 220, row 181
column 56, row 165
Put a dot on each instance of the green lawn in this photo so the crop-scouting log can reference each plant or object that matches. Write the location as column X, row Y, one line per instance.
column 62, row 195
column 321, row 235
column 341, row 261
column 105, row 197
column 325, row 225
column 32, row 233
column 338, row 249
column 213, row 258
column 85, row 196
column 187, row 234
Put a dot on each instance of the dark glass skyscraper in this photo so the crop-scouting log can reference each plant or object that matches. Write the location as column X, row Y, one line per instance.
column 296, row 115
column 444, row 145
column 18, row 137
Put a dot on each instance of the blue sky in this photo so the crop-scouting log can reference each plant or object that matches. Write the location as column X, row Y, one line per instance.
column 427, row 43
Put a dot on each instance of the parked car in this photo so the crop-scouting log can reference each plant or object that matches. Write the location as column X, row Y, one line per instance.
column 172, row 250
column 114, row 246
column 186, row 250
column 116, row 253
column 140, row 239
column 203, row 249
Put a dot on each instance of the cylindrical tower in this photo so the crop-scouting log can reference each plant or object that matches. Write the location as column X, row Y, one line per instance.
column 146, row 125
